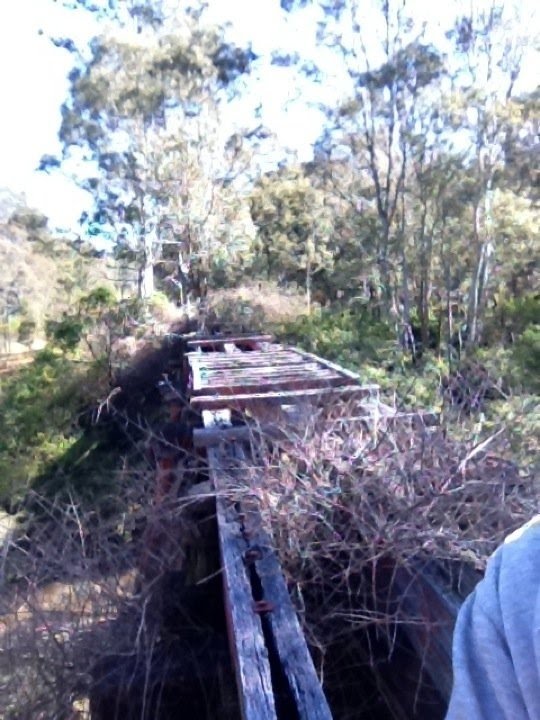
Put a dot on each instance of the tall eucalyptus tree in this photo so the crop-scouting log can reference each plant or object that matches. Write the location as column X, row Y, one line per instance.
column 143, row 116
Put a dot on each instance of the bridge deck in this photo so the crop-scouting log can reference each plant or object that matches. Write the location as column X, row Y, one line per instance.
column 275, row 673
column 235, row 379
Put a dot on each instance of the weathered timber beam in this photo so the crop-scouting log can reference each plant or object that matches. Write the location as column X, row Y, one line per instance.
column 273, row 384
column 333, row 366
column 210, row 437
column 250, row 655
column 223, row 359
column 264, row 370
column 247, row 550
column 215, row 340
column 245, row 400
column 289, row 641
column 236, row 375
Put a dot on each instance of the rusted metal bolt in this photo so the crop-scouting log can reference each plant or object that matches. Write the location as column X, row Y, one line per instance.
column 252, row 555
column 262, row 606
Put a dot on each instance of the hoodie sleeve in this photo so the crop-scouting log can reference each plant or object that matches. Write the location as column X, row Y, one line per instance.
column 497, row 634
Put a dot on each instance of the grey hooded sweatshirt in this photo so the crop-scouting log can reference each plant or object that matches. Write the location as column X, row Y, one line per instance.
column 496, row 650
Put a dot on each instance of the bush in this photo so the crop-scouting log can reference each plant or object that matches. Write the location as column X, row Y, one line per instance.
column 40, row 407
column 66, row 333
column 513, row 317
column 26, row 332
column 351, row 337
column 527, row 356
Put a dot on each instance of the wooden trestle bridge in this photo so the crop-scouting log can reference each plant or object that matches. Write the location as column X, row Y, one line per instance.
column 266, row 384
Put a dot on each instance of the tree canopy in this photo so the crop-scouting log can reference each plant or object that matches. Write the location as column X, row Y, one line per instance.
column 420, row 200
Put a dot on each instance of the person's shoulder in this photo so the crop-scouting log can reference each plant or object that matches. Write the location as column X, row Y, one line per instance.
column 516, row 561
column 518, row 565
column 523, row 533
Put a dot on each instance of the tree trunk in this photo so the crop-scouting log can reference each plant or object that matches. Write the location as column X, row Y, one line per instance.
column 308, row 287
column 481, row 271
column 146, row 278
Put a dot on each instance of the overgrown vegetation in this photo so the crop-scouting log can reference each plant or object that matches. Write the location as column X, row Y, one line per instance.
column 82, row 629
column 405, row 249
column 46, row 412
column 358, row 515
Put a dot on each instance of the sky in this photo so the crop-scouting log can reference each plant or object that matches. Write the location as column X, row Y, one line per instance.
column 33, row 84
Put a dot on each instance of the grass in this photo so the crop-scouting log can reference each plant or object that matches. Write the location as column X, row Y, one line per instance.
column 256, row 306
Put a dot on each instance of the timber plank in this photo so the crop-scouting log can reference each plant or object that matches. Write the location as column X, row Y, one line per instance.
column 288, row 639
column 284, row 383
column 333, row 366
column 278, row 350
column 265, row 371
column 196, row 376
column 243, row 359
column 214, row 340
column 243, row 366
column 241, row 401
column 296, row 661
column 239, row 378
column 250, row 654
column 266, row 368
column 210, row 437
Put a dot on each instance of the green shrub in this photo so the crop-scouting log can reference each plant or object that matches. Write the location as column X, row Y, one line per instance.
column 511, row 318
column 527, row 356
column 65, row 334
column 40, row 406
column 26, row 331
column 348, row 336
column 99, row 299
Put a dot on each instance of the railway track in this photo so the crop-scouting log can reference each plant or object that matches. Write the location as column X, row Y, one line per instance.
column 241, row 387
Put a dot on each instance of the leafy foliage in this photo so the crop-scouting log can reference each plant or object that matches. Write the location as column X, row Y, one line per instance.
column 527, row 355
column 65, row 333
column 352, row 337
column 293, row 227
column 138, row 108
column 42, row 407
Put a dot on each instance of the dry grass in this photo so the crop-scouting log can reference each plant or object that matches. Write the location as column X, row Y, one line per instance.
column 255, row 305
column 81, row 591
column 64, row 583
column 342, row 501
column 345, row 504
